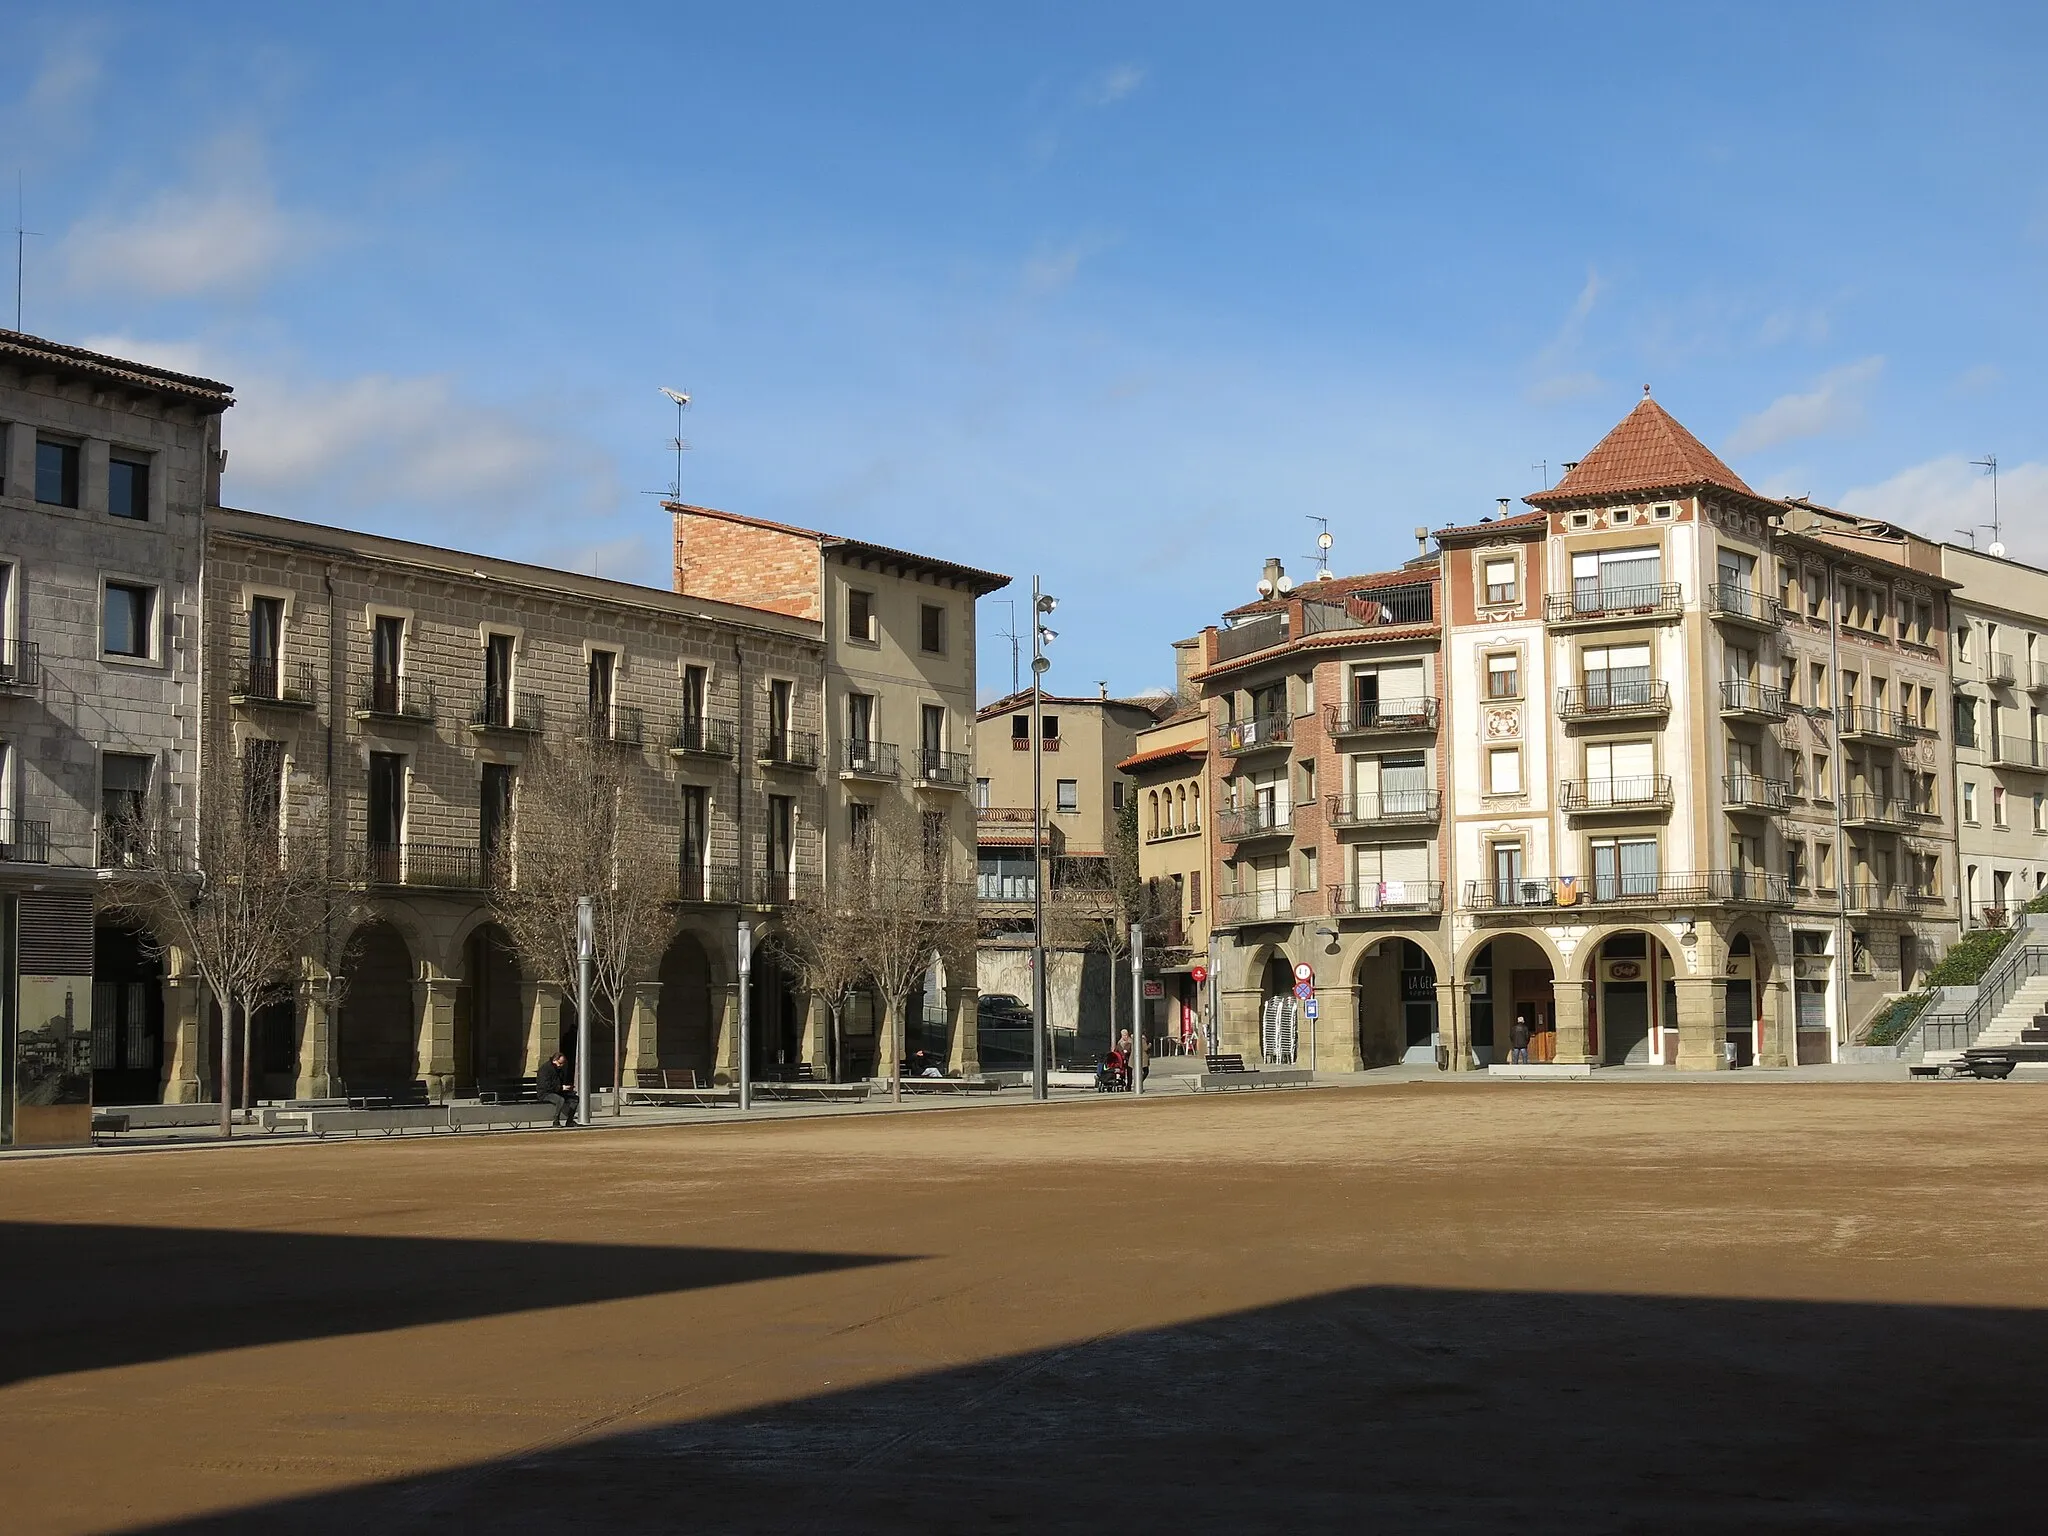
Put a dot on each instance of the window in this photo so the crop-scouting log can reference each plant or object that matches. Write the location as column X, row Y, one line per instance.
column 124, row 797
column 1307, row 793
column 1308, row 868
column 1506, row 861
column 1504, row 677
column 1814, row 594
column 1116, row 796
column 2040, row 812
column 387, row 802
column 981, row 795
column 781, row 702
column 860, row 831
column 56, row 473
column 860, row 615
column 1823, row 776
column 1502, row 585
column 1624, row 866
column 387, row 652
column 1795, row 865
column 497, row 681
column 860, row 723
column 931, row 738
column 602, row 672
column 1969, row 801
column 1998, row 805
column 1962, row 642
column 691, row 854
column 494, row 817
column 1617, row 578
column 1195, row 891
column 1504, row 771
column 1795, row 769
column 1049, row 732
column 1617, row 676
column 696, row 695
column 781, row 842
column 263, row 791
column 1861, row 962
column 126, row 620
column 931, row 629
column 266, row 639
column 1067, row 795
column 1618, row 772
column 128, row 489
column 1735, row 573
column 1824, row 865
column 1966, row 720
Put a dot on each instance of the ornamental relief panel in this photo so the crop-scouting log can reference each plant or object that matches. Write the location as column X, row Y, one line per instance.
column 1503, row 723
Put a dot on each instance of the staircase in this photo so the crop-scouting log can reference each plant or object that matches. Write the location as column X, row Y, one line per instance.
column 2023, row 1020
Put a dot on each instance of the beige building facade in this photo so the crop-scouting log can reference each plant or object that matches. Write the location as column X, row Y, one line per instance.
column 1168, row 772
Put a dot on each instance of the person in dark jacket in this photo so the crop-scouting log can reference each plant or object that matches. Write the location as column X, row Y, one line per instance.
column 556, row 1089
column 1518, row 1039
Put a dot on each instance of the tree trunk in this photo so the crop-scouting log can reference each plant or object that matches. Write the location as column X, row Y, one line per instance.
column 227, row 1065
column 838, row 1044
column 248, row 1041
column 618, row 1056
column 895, row 1007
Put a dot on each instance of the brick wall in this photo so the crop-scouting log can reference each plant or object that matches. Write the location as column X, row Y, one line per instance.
column 742, row 563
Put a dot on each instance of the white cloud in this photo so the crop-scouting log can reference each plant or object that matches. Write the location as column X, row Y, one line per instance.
column 1559, row 381
column 1834, row 404
column 1945, row 495
column 1113, row 85
column 52, row 115
column 225, row 230
column 1564, row 386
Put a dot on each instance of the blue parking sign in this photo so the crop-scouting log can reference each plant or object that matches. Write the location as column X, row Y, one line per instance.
column 1309, row 1008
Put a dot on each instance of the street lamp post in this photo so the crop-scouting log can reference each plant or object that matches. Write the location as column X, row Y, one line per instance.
column 1137, row 1008
column 1041, row 604
column 585, row 921
column 746, row 959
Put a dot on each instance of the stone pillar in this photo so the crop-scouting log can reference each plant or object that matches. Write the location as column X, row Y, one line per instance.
column 541, row 1005
column 725, row 1033
column 319, row 1044
column 1569, row 998
column 1779, row 1049
column 643, row 1044
column 1237, row 1032
column 1702, row 1025
column 433, row 998
column 188, row 1075
column 1454, row 1023
column 963, row 1008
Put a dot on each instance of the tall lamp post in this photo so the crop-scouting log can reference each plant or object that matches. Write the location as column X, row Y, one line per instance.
column 1042, row 603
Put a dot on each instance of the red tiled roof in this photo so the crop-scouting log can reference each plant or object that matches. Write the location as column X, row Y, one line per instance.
column 1333, row 590
column 1139, row 760
column 1647, row 451
column 1157, row 705
column 34, row 352
column 1493, row 525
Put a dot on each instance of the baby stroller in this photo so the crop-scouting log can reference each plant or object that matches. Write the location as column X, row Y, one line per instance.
column 1109, row 1073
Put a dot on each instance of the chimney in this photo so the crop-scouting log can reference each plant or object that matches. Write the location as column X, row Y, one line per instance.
column 1102, row 691
column 1270, row 579
column 1502, row 503
column 1422, row 541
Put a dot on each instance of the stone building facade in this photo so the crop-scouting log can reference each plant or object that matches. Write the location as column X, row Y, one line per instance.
column 106, row 467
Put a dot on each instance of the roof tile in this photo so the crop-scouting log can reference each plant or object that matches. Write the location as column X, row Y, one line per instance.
column 1649, row 450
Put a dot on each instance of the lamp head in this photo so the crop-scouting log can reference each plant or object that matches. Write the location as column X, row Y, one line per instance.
column 677, row 395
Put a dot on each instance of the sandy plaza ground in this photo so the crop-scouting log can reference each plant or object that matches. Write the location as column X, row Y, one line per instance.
column 1730, row 1306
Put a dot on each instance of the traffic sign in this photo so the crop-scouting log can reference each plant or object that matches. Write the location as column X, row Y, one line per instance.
column 1309, row 1008
column 1304, row 991
column 1200, row 973
column 1305, row 972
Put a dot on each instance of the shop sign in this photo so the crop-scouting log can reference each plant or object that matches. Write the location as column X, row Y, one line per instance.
column 1200, row 974
column 1155, row 989
column 1624, row 970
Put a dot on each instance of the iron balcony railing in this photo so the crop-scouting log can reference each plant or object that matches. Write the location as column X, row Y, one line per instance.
column 1399, row 807
column 1592, row 605
column 1382, row 717
column 1505, row 893
column 868, row 759
column 623, row 726
column 1878, row 900
column 399, row 698
column 1165, row 833
column 2037, row 676
column 710, row 885
column 702, row 736
column 269, row 683
column 1749, row 792
column 499, row 709
column 1744, row 605
column 951, row 770
column 2001, row 667
column 1386, row 898
column 1874, row 724
column 1254, row 907
column 789, row 749
column 1611, row 700
column 1757, row 699
column 1243, row 823
column 1874, row 810
column 774, row 888
column 2018, row 752
column 23, row 841
column 443, row 866
column 1726, row 887
column 21, row 666
column 1648, row 792
column 1256, row 734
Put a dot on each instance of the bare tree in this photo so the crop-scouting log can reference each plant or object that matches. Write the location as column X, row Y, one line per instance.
column 237, row 887
column 912, row 907
column 1092, row 903
column 824, row 949
column 584, row 829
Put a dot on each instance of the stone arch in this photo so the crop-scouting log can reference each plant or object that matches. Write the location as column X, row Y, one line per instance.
column 1631, row 972
column 1253, row 966
column 489, row 1012
column 1152, row 809
column 1394, row 1002
column 1748, row 969
column 776, row 1004
column 1510, row 975
column 1587, row 952
column 1475, row 942
column 685, row 1023
column 377, row 1032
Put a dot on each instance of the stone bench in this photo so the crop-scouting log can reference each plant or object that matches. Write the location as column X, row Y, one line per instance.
column 1265, row 1077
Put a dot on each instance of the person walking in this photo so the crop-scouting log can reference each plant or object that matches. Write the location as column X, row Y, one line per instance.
column 1518, row 1040
column 555, row 1089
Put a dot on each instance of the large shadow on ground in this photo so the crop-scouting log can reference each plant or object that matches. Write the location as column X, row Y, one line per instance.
column 78, row 1298
column 1367, row 1410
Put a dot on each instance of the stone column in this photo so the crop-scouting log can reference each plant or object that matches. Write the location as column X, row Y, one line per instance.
column 643, row 1045
column 433, row 997
column 1702, row 1025
column 319, row 1045
column 1454, row 1022
column 188, row 1076
column 725, row 1033
column 541, row 1004
column 1573, row 1043
column 1779, row 1049
column 1237, row 1032
column 963, row 1005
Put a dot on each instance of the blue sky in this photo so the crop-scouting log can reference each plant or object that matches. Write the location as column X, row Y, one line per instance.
column 1118, row 294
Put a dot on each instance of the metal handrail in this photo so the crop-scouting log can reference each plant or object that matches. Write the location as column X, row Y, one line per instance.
column 1396, row 896
column 2018, row 752
column 21, row 664
column 1729, row 600
column 1401, row 805
column 704, row 735
column 1592, row 701
column 1885, row 809
column 2019, row 963
column 497, row 710
column 1865, row 721
column 790, row 749
column 269, row 682
column 1647, row 792
column 1753, row 698
column 935, row 766
column 1364, row 716
column 1241, row 822
column 1258, row 732
column 399, row 698
column 1253, row 907
column 1755, row 792
column 1615, row 602
column 869, row 759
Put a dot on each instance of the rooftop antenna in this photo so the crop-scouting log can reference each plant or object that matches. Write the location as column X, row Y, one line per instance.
column 1989, row 463
column 20, row 245
column 1323, row 542
column 1010, row 634
column 1542, row 468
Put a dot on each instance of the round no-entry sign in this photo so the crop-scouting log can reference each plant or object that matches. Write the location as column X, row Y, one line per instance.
column 1200, row 973
column 1304, row 972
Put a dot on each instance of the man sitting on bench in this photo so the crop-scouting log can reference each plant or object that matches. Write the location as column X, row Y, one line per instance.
column 554, row 1088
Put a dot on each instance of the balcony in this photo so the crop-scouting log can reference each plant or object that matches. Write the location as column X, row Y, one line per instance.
column 2018, row 752
column 398, row 701
column 943, row 770
column 1166, row 833
column 1509, row 895
column 1865, row 810
column 1875, row 900
column 790, row 749
column 1395, row 809
column 498, row 710
column 21, row 666
column 1613, row 605
column 1752, row 701
column 774, row 888
column 1595, row 797
column 23, row 841
column 1387, row 898
column 1885, row 727
column 1258, row 734
column 1685, row 888
column 1630, row 700
column 267, row 685
column 2001, row 668
column 2037, row 677
column 1748, row 792
column 701, row 736
column 430, row 866
column 1242, row 907
column 702, row 885
column 626, row 728
column 868, row 760
column 1247, row 823
column 1734, row 604
column 1382, row 717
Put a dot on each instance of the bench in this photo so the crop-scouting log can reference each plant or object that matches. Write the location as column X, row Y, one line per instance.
column 1989, row 1062
column 411, row 1095
column 156, row 1117
column 1230, row 1072
column 503, row 1112
column 390, row 1121
column 509, row 1090
column 951, row 1085
column 674, row 1085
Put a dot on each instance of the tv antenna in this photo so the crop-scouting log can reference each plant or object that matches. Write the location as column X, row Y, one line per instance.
column 1989, row 464
column 678, row 443
column 20, row 246
column 1542, row 468
column 1323, row 542
column 1010, row 634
